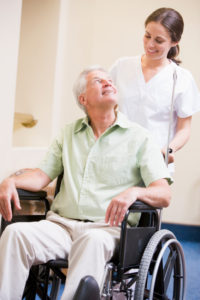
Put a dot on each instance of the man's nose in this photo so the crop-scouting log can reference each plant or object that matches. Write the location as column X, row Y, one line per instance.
column 106, row 83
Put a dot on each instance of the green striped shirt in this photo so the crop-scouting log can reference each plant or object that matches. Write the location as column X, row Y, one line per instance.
column 95, row 171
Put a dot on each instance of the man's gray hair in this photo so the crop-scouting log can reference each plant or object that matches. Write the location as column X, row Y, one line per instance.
column 80, row 83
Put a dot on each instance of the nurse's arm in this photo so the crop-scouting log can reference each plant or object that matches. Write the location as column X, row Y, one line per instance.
column 181, row 137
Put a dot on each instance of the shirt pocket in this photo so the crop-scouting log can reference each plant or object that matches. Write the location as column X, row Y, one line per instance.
column 116, row 170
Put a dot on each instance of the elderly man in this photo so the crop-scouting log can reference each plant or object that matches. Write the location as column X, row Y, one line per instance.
column 108, row 164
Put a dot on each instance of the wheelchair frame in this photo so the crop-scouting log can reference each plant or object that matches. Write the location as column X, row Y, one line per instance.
column 155, row 257
column 150, row 258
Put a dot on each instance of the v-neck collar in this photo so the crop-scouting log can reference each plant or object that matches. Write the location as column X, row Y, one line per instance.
column 146, row 83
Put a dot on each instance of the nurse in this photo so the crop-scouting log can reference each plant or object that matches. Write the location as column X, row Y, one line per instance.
column 145, row 83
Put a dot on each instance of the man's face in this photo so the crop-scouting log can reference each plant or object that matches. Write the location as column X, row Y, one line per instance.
column 100, row 91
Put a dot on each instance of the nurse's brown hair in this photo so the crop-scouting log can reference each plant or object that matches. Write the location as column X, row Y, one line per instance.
column 173, row 22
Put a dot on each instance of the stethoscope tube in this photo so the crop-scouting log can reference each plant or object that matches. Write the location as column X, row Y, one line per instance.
column 170, row 117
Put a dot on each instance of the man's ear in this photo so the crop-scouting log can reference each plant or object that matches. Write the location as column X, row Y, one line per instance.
column 82, row 99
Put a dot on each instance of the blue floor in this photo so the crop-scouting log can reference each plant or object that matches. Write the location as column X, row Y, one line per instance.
column 192, row 258
column 189, row 237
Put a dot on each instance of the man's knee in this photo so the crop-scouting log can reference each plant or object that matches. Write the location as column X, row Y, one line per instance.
column 10, row 230
column 14, row 236
column 13, row 229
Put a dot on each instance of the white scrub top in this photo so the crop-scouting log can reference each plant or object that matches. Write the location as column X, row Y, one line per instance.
column 149, row 103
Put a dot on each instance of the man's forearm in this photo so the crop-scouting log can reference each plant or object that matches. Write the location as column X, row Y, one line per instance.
column 33, row 180
column 157, row 196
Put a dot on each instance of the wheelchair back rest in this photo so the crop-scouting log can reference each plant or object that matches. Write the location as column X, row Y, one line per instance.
column 58, row 184
column 147, row 219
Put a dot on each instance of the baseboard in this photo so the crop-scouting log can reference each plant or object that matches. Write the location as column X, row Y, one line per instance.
column 184, row 232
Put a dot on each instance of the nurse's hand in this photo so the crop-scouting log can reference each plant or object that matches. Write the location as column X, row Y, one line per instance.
column 170, row 156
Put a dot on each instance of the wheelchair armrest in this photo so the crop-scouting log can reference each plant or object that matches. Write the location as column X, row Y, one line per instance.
column 36, row 196
column 141, row 206
column 28, row 195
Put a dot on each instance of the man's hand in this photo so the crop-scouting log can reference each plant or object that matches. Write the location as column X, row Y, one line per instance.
column 157, row 194
column 8, row 193
column 118, row 206
column 33, row 180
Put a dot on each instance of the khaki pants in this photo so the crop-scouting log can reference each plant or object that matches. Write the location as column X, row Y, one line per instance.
column 87, row 245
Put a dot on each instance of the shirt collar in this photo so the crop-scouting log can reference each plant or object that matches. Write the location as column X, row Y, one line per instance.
column 121, row 121
column 82, row 123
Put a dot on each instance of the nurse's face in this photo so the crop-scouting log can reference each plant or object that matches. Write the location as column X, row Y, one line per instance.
column 157, row 41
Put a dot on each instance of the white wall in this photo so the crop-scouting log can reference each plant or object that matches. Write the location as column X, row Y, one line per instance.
column 84, row 33
column 28, row 57
column 36, row 70
column 10, row 18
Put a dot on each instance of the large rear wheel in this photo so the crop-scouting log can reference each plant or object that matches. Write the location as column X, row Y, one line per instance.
column 162, row 269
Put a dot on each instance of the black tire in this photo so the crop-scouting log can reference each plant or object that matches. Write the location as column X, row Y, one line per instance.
column 154, row 252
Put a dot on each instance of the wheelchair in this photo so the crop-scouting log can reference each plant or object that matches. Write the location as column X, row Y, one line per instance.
column 148, row 262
